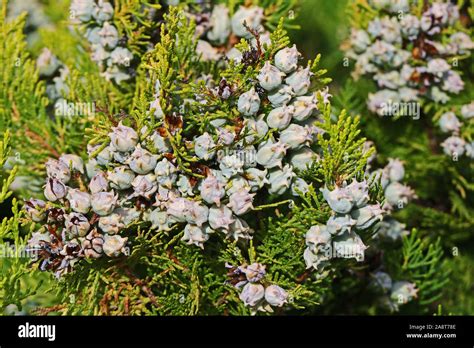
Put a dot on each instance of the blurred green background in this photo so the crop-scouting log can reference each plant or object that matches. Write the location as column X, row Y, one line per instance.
column 324, row 25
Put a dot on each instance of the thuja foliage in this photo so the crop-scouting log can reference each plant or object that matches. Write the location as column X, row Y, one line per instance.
column 19, row 285
column 22, row 97
column 212, row 176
